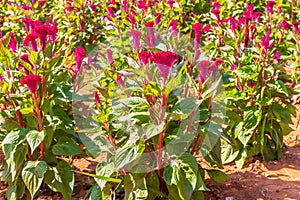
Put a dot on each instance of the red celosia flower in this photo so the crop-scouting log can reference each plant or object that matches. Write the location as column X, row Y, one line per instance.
column 265, row 41
column 207, row 69
column 26, row 7
column 145, row 57
column 42, row 3
column 296, row 27
column 149, row 24
column 12, row 43
column 125, row 5
column 132, row 20
column 204, row 66
column 251, row 84
column 174, row 25
column 279, row 10
column 277, row 56
column 42, row 32
column 120, row 81
column 150, row 38
column 32, row 82
column 270, row 5
column 80, row 55
column 233, row 67
column 158, row 17
column 170, row 2
column 111, row 12
column 31, row 38
column 164, row 61
column 197, row 27
column 96, row 97
column 93, row 7
column 109, row 56
column 136, row 36
column 285, row 25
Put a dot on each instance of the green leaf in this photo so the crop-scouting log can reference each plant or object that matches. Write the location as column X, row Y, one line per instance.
column 135, row 187
column 151, row 89
column 95, row 144
column 78, row 3
column 5, row 55
column 15, row 152
column 15, row 190
column 33, row 175
column 66, row 148
column 127, row 154
column 183, row 173
column 174, row 83
column 34, row 139
column 61, row 179
column 12, row 139
column 103, row 172
column 279, row 87
column 96, row 193
column 229, row 154
column 217, row 175
column 153, row 185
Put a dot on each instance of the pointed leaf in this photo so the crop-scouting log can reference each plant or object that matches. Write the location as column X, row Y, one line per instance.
column 34, row 139
column 33, row 175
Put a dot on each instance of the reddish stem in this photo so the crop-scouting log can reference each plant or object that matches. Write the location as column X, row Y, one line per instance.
column 40, row 123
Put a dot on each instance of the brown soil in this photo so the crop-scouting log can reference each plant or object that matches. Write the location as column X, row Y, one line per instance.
column 262, row 180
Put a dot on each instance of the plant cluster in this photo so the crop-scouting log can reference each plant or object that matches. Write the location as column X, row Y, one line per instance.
column 156, row 86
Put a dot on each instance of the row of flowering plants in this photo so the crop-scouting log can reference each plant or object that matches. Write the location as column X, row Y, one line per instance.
column 37, row 128
column 156, row 86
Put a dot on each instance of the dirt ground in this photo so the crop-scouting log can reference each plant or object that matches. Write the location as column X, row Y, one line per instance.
column 257, row 180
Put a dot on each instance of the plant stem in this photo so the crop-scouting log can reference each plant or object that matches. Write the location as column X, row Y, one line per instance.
column 40, row 123
column 159, row 161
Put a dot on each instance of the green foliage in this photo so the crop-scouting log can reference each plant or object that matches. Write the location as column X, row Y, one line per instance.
column 149, row 127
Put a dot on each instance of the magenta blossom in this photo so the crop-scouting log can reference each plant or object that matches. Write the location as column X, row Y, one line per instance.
column 265, row 42
column 120, row 81
column 277, row 56
column 80, row 55
column 158, row 18
column 296, row 27
column 32, row 82
column 125, row 5
column 164, row 61
column 198, row 29
column 145, row 57
column 136, row 36
column 207, row 69
column 12, row 43
column 270, row 5
column 96, row 97
column 174, row 28
column 109, row 53
column 26, row 7
column 170, row 2
column 150, row 38
column 42, row 32
column 132, row 20
column 233, row 67
column 93, row 7
column 279, row 10
column 251, row 84
column 285, row 25
column 111, row 12
column 31, row 38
